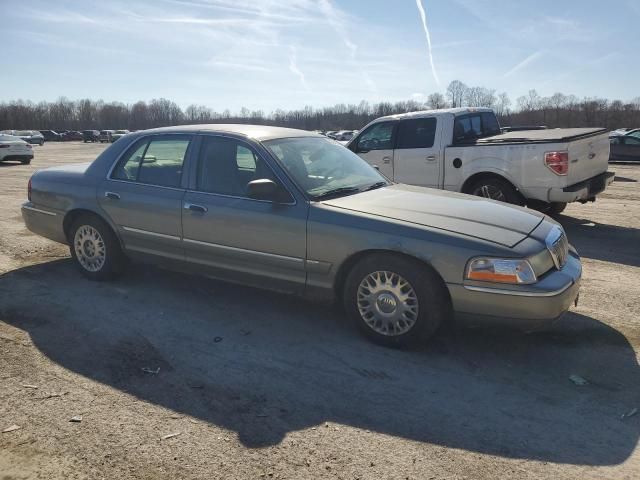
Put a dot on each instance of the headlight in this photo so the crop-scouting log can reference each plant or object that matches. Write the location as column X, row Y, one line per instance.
column 501, row 270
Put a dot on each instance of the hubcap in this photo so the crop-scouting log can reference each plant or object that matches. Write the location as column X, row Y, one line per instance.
column 90, row 249
column 387, row 303
column 490, row 191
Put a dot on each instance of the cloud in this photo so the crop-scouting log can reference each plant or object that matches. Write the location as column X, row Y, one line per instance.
column 293, row 67
column 423, row 17
column 336, row 20
column 531, row 58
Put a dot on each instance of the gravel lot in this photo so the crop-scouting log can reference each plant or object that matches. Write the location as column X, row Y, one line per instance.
column 253, row 384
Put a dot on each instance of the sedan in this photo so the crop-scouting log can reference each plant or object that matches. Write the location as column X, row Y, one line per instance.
column 14, row 148
column 33, row 137
column 293, row 211
column 625, row 147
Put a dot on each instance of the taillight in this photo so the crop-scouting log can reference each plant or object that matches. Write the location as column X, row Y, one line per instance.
column 29, row 190
column 558, row 162
column 28, row 145
column 4, row 145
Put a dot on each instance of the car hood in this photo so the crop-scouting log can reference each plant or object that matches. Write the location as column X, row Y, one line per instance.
column 455, row 212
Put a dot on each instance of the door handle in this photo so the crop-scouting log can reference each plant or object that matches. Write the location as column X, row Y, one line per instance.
column 195, row 208
column 386, row 159
column 431, row 158
column 112, row 195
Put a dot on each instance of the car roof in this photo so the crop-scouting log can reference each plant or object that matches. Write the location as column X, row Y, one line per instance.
column 430, row 113
column 256, row 132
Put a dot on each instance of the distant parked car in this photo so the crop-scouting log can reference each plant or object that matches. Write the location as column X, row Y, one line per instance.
column 625, row 147
column 90, row 136
column 331, row 134
column 118, row 134
column 105, row 136
column 30, row 136
column 72, row 135
column 51, row 136
column 13, row 148
column 345, row 135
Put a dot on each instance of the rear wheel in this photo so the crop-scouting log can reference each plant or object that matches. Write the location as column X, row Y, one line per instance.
column 95, row 248
column 557, row 208
column 26, row 161
column 496, row 189
column 395, row 301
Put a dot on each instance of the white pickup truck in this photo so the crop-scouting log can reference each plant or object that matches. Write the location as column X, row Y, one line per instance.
column 464, row 150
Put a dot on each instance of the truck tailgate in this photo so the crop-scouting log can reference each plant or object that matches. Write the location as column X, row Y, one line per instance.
column 588, row 157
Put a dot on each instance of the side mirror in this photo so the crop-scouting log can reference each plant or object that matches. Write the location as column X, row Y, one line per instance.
column 266, row 189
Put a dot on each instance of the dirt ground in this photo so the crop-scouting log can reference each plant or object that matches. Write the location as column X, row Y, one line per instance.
column 241, row 383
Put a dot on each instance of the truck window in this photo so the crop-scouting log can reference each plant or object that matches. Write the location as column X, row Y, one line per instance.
column 468, row 128
column 377, row 137
column 417, row 133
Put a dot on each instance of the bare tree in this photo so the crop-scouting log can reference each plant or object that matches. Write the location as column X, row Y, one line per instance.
column 436, row 101
column 456, row 92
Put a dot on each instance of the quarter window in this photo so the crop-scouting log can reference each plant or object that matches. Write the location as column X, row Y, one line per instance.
column 226, row 166
column 377, row 137
column 417, row 133
column 468, row 128
column 156, row 161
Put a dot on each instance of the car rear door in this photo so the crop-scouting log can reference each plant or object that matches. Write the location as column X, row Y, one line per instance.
column 237, row 237
column 375, row 146
column 417, row 156
column 629, row 148
column 143, row 195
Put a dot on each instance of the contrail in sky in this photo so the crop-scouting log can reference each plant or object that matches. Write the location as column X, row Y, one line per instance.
column 426, row 31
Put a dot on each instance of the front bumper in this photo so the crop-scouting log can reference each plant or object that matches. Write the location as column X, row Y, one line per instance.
column 526, row 307
column 582, row 190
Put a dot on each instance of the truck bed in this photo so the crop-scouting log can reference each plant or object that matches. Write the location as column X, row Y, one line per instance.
column 552, row 135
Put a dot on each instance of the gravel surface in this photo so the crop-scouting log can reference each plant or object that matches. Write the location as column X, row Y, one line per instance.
column 162, row 376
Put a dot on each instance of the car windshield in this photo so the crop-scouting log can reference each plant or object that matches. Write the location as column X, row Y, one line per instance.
column 23, row 133
column 121, row 132
column 323, row 167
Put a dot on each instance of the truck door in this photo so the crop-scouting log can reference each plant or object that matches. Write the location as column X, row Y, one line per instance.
column 417, row 153
column 375, row 146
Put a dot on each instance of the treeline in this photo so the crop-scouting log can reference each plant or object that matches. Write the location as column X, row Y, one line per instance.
column 559, row 110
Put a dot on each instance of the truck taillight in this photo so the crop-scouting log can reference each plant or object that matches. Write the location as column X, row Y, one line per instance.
column 29, row 190
column 558, row 162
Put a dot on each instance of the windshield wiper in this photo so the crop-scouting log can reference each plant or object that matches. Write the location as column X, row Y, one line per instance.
column 374, row 186
column 336, row 192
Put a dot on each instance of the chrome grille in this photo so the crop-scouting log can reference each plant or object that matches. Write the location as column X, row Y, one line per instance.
column 558, row 246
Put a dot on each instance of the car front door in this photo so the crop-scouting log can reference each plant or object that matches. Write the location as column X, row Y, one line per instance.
column 143, row 195
column 630, row 147
column 375, row 146
column 416, row 159
column 236, row 237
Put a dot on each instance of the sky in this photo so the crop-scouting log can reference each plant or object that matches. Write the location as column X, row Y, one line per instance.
column 285, row 54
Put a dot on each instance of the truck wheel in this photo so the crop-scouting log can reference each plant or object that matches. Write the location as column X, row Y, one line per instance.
column 556, row 208
column 395, row 301
column 496, row 189
column 95, row 248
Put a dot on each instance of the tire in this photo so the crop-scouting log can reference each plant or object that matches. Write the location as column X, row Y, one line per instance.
column 496, row 189
column 427, row 299
column 556, row 208
column 105, row 243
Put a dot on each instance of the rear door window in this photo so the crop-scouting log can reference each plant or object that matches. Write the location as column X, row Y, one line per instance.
column 468, row 128
column 417, row 133
column 156, row 161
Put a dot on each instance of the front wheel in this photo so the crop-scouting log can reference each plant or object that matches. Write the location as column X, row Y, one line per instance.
column 496, row 189
column 95, row 249
column 395, row 301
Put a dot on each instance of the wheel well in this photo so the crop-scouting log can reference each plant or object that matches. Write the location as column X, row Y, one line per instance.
column 73, row 215
column 469, row 182
column 350, row 262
